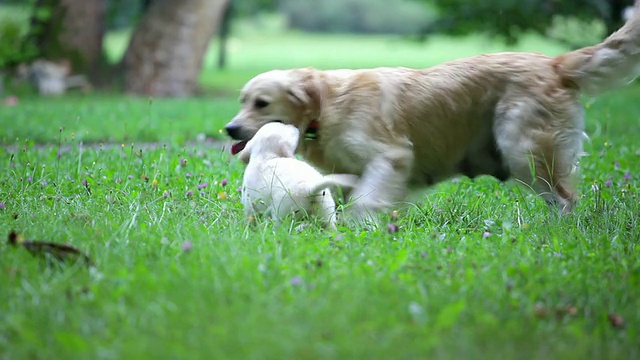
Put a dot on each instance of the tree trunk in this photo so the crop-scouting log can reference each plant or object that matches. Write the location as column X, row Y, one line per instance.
column 223, row 35
column 72, row 30
column 166, row 51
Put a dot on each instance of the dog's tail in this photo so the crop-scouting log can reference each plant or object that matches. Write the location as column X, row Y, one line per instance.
column 611, row 64
column 334, row 180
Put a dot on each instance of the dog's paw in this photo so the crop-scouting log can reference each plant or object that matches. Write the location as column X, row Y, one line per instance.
column 358, row 216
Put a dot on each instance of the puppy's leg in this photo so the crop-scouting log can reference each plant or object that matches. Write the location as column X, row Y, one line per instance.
column 383, row 183
column 247, row 203
column 275, row 216
column 326, row 209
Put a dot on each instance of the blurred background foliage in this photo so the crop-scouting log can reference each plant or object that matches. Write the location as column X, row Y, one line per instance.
column 358, row 16
column 28, row 27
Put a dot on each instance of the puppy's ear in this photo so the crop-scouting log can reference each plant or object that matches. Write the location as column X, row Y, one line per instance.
column 284, row 149
column 245, row 154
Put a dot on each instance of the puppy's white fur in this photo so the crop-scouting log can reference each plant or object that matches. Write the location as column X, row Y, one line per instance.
column 278, row 185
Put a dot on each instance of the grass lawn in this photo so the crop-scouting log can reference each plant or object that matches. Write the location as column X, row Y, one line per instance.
column 477, row 270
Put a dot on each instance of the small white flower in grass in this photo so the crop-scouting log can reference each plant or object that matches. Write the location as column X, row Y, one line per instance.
column 415, row 309
column 417, row 312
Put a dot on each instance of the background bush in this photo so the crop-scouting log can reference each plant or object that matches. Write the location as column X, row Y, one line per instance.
column 357, row 16
column 14, row 47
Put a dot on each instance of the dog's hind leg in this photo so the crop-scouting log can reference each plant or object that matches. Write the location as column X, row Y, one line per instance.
column 542, row 156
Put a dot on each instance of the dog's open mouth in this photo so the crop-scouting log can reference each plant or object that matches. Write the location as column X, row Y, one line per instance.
column 239, row 146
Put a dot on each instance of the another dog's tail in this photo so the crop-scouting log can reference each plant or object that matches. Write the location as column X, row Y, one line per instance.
column 611, row 64
column 334, row 180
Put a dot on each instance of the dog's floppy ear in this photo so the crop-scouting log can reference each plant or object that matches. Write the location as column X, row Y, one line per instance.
column 298, row 95
column 306, row 90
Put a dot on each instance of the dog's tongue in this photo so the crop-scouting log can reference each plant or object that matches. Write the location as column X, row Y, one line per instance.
column 237, row 147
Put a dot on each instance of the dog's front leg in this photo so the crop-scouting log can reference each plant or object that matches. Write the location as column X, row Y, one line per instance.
column 383, row 183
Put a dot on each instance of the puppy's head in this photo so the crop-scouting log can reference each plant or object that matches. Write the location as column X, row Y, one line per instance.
column 272, row 140
column 285, row 96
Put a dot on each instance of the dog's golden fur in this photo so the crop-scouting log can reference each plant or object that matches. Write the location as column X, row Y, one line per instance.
column 504, row 114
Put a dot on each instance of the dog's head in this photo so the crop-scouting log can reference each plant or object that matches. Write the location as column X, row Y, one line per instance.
column 272, row 140
column 285, row 96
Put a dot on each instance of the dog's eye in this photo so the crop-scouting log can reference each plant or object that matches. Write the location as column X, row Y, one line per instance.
column 261, row 104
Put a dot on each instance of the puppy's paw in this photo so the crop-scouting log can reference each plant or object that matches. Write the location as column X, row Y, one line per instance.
column 301, row 227
column 330, row 226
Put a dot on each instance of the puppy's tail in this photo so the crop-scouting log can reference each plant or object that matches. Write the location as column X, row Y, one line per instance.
column 611, row 64
column 334, row 180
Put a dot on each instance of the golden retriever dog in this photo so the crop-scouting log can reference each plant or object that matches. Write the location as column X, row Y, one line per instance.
column 508, row 115
column 278, row 185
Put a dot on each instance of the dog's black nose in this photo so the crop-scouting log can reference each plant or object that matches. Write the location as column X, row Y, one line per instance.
column 234, row 131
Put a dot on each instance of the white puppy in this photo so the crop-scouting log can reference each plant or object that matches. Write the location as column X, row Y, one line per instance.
column 277, row 184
